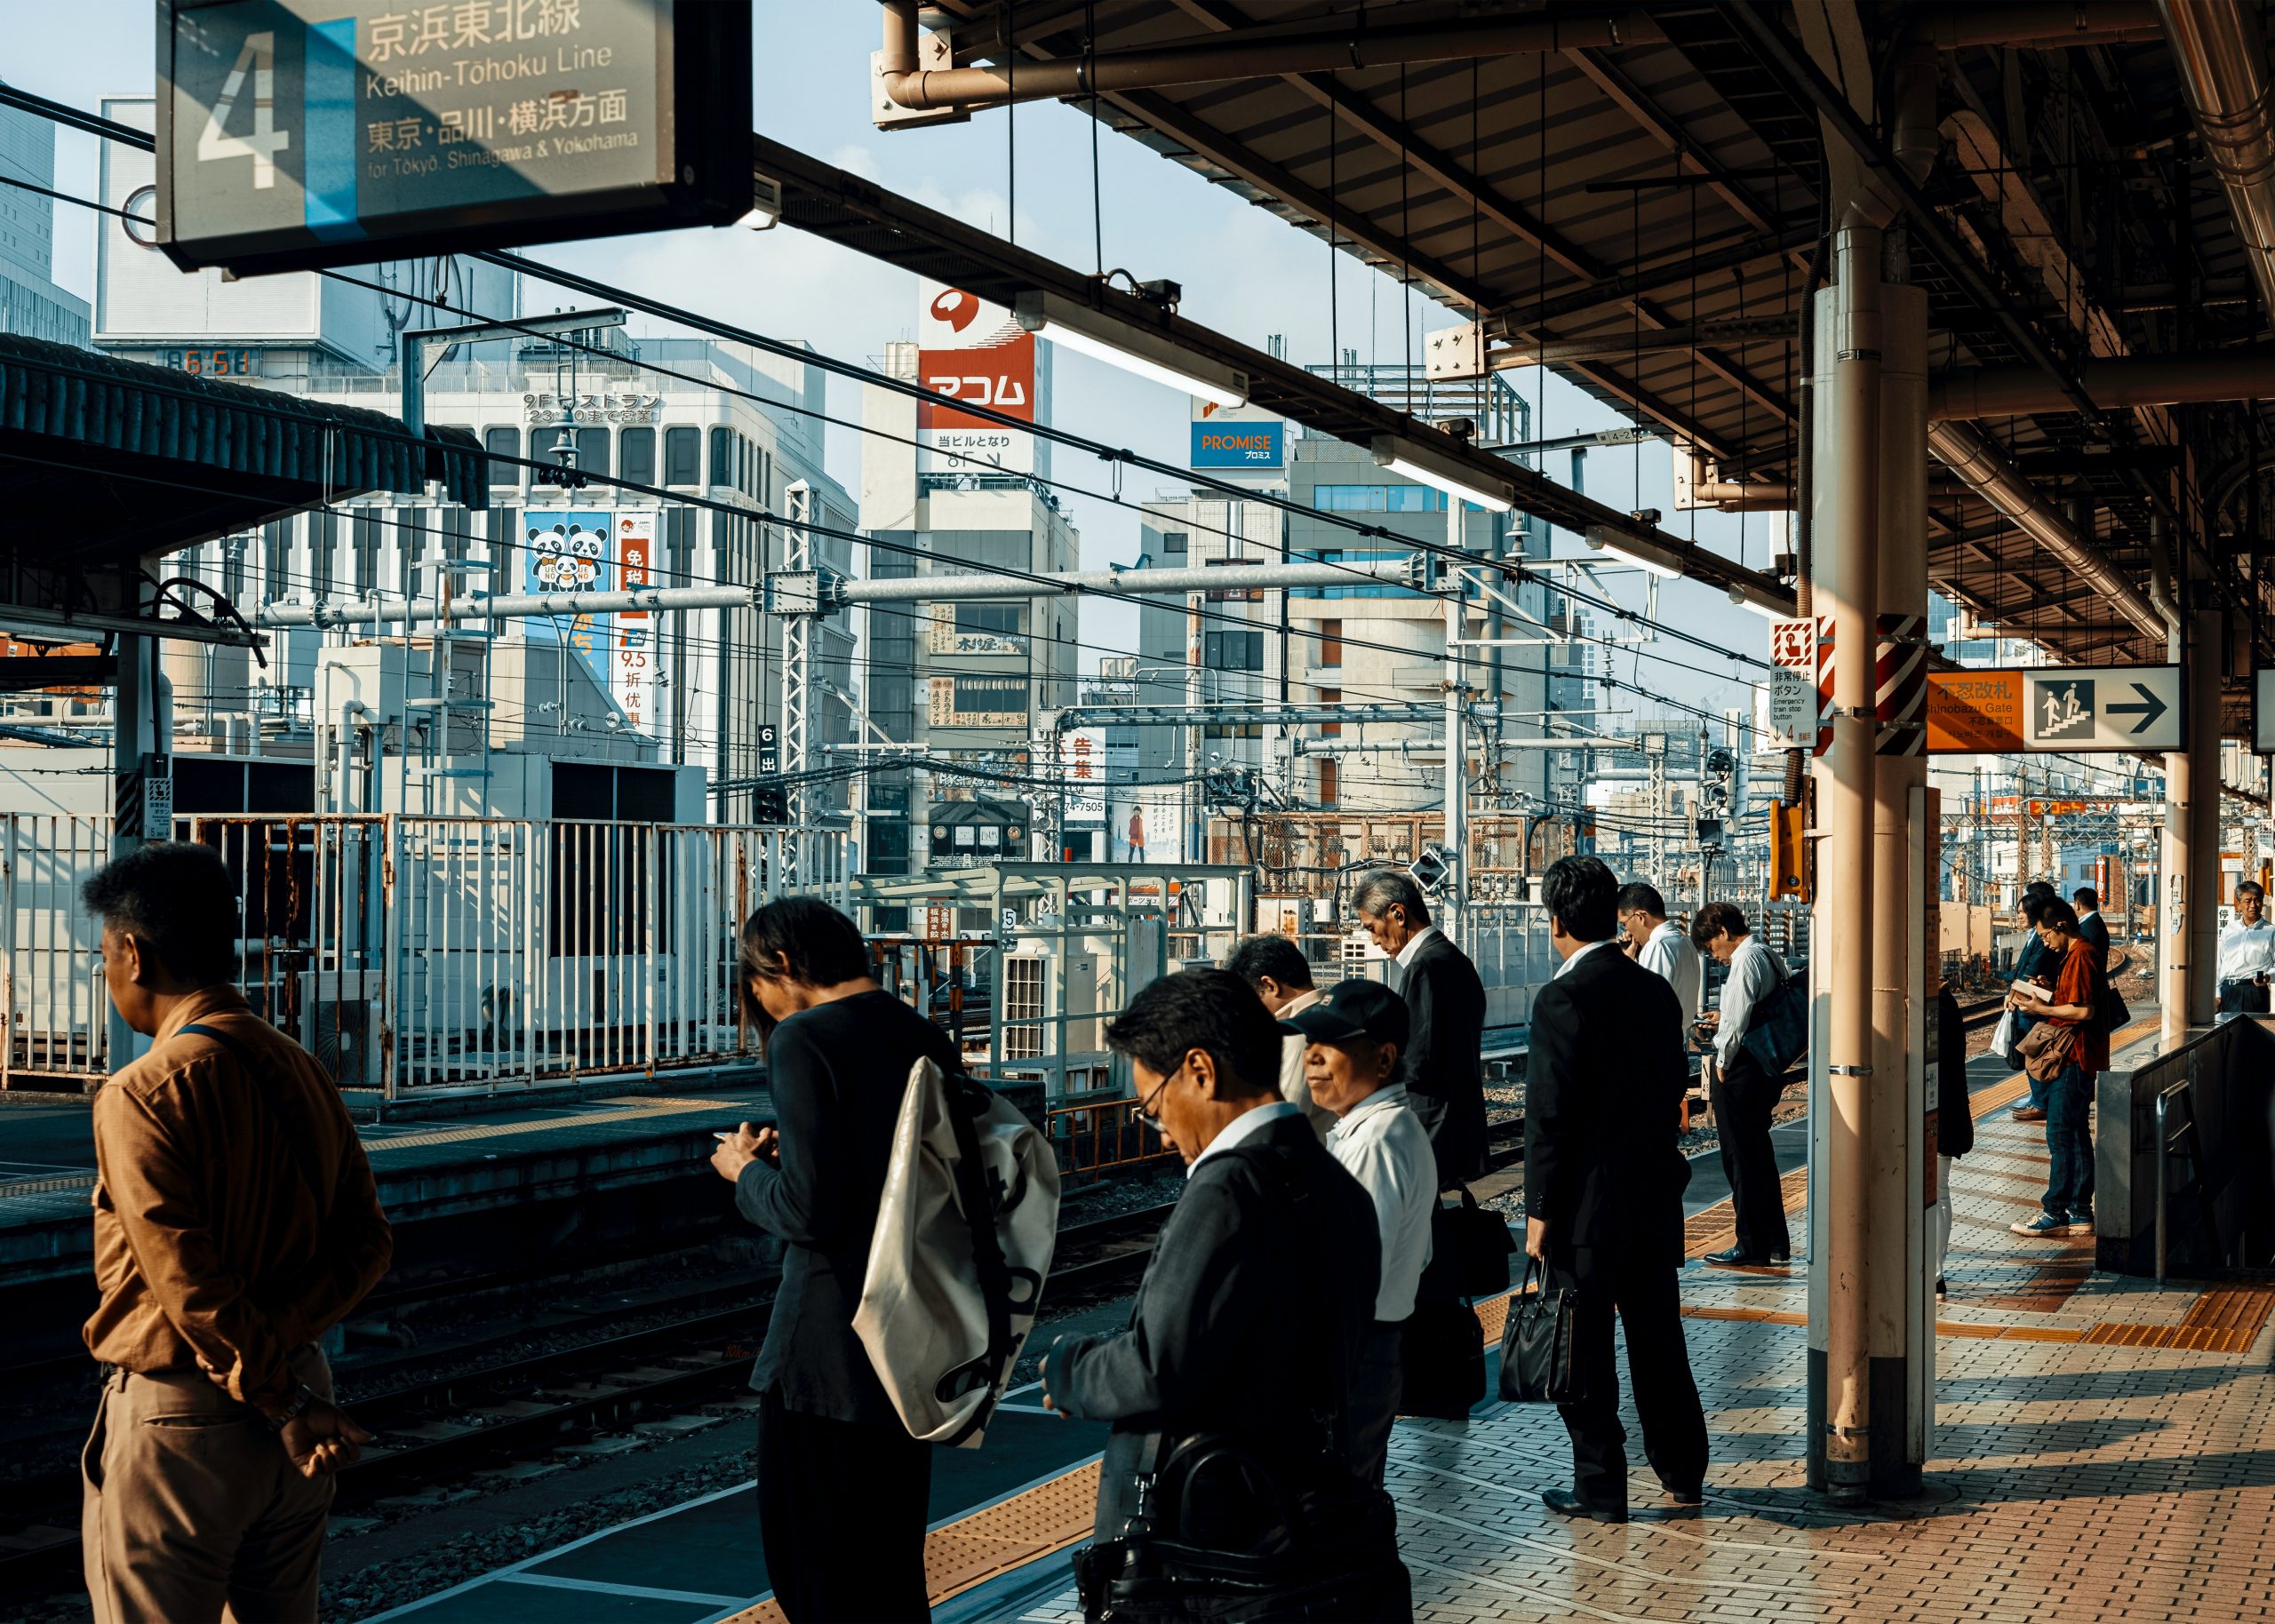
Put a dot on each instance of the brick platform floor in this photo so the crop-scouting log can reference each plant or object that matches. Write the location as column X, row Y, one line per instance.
column 2103, row 1452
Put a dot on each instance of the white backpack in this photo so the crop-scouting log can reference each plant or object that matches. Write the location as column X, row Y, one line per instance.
column 964, row 1243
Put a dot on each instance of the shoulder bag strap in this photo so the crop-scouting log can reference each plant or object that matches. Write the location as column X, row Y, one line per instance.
column 261, row 1080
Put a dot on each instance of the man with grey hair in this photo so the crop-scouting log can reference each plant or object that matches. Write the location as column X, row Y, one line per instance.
column 1443, row 1067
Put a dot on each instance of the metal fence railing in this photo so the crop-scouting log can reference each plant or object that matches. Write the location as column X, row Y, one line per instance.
column 430, row 955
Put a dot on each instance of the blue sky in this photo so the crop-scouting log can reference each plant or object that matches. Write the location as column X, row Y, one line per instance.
column 1245, row 272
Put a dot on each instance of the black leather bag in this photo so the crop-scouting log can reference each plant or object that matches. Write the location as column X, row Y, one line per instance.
column 1777, row 1028
column 1540, row 1360
column 1442, row 1355
column 1470, row 1248
column 1229, row 1533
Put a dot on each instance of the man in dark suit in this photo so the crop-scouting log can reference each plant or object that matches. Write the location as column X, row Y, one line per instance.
column 1443, row 1068
column 2091, row 926
column 1604, row 1176
column 1251, row 1321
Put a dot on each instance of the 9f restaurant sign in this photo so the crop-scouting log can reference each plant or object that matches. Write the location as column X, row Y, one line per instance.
column 294, row 133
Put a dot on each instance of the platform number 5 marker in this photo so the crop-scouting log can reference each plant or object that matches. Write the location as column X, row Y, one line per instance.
column 258, row 53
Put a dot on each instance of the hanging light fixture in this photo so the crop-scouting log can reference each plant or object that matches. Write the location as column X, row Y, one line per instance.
column 1132, row 347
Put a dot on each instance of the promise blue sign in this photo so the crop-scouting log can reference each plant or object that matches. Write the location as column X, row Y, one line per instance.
column 1239, row 445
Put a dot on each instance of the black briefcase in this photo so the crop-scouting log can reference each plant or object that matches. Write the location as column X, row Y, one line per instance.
column 1540, row 1361
column 1470, row 1248
column 1442, row 1360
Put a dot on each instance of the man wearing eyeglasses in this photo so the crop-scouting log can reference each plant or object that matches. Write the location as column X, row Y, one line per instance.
column 1245, row 1335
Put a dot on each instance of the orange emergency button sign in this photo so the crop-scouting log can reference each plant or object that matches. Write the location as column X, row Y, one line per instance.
column 1974, row 710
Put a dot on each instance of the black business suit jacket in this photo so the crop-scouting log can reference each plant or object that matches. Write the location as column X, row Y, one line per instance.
column 2095, row 930
column 837, row 1074
column 1443, row 1067
column 1226, row 1333
column 1604, row 1084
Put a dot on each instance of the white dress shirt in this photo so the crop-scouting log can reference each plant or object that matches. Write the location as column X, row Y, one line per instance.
column 1414, row 945
column 1246, row 1126
column 1754, row 974
column 1668, row 953
column 2246, row 950
column 1577, row 954
column 1293, row 1089
column 1383, row 1144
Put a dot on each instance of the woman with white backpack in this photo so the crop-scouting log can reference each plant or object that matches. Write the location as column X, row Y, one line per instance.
column 833, row 1453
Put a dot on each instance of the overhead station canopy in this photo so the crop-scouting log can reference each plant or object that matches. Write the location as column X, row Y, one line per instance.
column 104, row 462
column 1642, row 190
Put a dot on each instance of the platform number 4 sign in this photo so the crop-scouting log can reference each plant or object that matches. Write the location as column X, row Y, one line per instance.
column 257, row 58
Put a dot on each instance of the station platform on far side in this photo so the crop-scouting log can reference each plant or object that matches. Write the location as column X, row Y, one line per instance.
column 512, row 1155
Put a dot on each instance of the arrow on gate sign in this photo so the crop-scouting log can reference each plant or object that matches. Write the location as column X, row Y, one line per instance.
column 2147, row 712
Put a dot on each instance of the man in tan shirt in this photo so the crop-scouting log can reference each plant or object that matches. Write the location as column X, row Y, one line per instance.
column 236, row 1222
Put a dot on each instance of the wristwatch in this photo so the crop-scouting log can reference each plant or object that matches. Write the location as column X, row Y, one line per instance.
column 298, row 1402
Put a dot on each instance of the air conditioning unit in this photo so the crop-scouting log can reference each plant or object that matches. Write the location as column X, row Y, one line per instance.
column 340, row 1023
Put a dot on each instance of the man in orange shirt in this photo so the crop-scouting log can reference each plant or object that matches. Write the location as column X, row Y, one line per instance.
column 2073, row 1009
column 236, row 1222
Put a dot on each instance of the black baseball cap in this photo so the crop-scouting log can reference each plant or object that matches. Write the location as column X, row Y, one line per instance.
column 1352, row 1009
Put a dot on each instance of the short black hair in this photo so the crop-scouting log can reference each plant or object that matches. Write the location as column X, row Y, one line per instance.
column 1254, row 958
column 176, row 899
column 2087, row 897
column 2039, row 888
column 817, row 946
column 1713, row 920
column 1379, row 889
column 2053, row 910
column 1644, row 897
column 2033, row 907
column 1201, row 1009
column 1584, row 893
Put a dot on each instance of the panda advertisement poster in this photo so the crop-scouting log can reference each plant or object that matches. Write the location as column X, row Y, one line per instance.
column 573, row 552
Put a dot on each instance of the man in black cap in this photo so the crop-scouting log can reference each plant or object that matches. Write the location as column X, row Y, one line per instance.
column 1353, row 1035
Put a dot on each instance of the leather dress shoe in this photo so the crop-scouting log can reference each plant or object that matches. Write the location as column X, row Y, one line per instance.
column 1693, row 1496
column 1737, row 1257
column 2029, row 1114
column 1565, row 1503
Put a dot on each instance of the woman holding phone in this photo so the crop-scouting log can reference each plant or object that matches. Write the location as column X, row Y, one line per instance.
column 833, row 1454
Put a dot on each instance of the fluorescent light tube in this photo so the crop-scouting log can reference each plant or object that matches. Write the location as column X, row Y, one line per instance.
column 1739, row 596
column 1425, row 466
column 1602, row 541
column 1130, row 347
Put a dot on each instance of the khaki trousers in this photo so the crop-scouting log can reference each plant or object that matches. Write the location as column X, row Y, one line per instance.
column 191, row 1512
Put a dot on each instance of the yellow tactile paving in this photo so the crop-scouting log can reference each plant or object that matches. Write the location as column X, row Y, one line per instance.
column 970, row 1551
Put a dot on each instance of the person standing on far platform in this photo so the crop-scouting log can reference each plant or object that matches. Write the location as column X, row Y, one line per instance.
column 2246, row 954
column 1745, row 1098
column 1444, row 1067
column 1351, row 1035
column 1237, row 1362
column 1276, row 967
column 2075, row 1009
column 2087, row 904
column 1604, row 1176
column 236, row 1222
column 833, row 1454
column 1662, row 947
column 1137, row 834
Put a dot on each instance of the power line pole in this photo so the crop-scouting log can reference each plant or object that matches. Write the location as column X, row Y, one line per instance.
column 797, row 678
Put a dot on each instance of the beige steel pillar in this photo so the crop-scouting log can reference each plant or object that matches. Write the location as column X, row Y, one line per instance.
column 1899, row 1294
column 2203, row 689
column 1844, row 588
